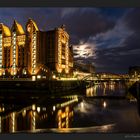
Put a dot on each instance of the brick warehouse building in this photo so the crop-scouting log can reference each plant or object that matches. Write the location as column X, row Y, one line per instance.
column 32, row 51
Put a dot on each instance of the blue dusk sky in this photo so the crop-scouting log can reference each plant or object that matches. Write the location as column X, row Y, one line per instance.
column 109, row 38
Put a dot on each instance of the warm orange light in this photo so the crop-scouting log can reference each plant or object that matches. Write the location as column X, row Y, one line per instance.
column 104, row 104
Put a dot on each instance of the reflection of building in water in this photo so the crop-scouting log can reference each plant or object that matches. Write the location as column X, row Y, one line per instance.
column 37, row 117
column 64, row 118
column 91, row 91
column 31, row 51
column 112, row 86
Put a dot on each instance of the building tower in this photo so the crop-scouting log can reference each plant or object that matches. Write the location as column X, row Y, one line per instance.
column 5, row 43
column 32, row 49
column 63, row 50
column 17, row 51
column 57, row 54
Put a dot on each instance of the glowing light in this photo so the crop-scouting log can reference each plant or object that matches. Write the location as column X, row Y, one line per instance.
column 59, row 112
column 33, row 122
column 13, row 122
column 59, row 122
column 54, row 108
column 4, row 73
column 38, row 109
column 33, row 70
column 14, row 73
column 3, row 109
column 44, row 77
column 24, row 72
column 54, row 76
column 33, row 107
column 104, row 104
column 33, row 78
column 33, row 58
column 67, row 109
column 63, row 115
column 14, row 52
column 82, row 105
column 24, row 112
column 85, row 49
column 38, row 76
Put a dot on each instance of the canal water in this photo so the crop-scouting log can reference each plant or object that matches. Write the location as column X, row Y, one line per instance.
column 103, row 109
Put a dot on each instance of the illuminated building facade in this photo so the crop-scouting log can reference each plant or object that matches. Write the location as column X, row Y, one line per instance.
column 59, row 57
column 5, row 45
column 32, row 48
column 25, row 52
column 17, row 49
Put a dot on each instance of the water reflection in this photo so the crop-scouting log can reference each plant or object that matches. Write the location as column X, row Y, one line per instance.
column 104, row 104
column 73, row 113
column 106, row 89
column 39, row 116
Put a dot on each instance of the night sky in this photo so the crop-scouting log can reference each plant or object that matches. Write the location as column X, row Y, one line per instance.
column 109, row 38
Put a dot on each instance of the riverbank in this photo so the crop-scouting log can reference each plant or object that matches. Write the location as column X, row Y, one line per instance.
column 30, row 91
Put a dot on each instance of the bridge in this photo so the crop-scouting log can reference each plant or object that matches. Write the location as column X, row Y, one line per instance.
column 96, row 78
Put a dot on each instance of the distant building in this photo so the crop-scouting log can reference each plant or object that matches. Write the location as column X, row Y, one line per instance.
column 134, row 71
column 105, row 75
column 84, row 67
column 29, row 52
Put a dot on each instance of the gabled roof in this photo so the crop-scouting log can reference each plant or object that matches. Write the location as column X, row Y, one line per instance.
column 18, row 28
column 34, row 24
column 6, row 31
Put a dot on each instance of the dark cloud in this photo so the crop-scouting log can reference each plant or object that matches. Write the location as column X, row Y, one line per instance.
column 132, row 19
column 124, row 50
column 82, row 25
